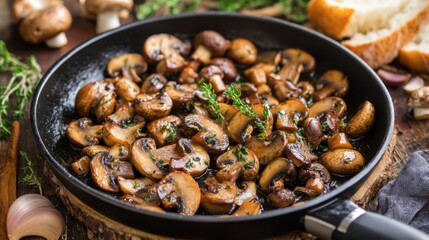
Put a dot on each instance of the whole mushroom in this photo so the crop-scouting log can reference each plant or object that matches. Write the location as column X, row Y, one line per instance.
column 47, row 25
column 107, row 12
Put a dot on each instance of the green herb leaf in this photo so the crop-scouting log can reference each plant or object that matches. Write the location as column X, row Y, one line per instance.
column 241, row 153
column 234, row 93
column 30, row 179
column 171, row 132
column 213, row 106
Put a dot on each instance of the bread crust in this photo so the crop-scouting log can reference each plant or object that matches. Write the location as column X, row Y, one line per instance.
column 414, row 59
column 322, row 15
column 386, row 49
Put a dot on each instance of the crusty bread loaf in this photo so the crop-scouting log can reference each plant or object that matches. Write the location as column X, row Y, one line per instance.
column 344, row 18
column 377, row 29
column 415, row 54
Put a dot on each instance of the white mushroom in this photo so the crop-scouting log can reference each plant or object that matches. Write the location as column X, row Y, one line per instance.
column 107, row 12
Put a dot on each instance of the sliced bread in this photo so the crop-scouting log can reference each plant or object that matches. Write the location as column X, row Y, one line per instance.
column 415, row 54
column 345, row 18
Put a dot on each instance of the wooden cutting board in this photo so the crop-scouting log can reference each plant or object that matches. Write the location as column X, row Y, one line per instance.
column 100, row 227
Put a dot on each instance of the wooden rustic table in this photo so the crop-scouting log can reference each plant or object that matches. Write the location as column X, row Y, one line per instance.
column 411, row 135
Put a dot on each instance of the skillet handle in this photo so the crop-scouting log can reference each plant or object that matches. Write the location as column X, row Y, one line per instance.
column 342, row 219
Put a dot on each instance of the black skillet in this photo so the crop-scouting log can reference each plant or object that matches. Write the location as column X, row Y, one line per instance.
column 328, row 216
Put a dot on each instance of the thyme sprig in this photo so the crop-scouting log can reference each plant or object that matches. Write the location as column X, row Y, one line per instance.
column 262, row 124
column 235, row 94
column 30, row 179
column 24, row 78
column 213, row 106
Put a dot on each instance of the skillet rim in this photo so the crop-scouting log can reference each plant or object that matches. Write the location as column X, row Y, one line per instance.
column 310, row 205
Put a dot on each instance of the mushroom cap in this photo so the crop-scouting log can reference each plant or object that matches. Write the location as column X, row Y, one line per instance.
column 22, row 8
column 44, row 24
column 213, row 41
column 99, row 6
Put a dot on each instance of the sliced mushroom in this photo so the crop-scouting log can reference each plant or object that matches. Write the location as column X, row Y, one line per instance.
column 343, row 161
column 313, row 187
column 207, row 44
column 332, row 83
column 276, row 169
column 90, row 151
column 269, row 100
column 290, row 114
column 331, row 123
column 188, row 75
column 120, row 151
column 213, row 75
column 89, row 95
column 242, row 51
column 180, row 94
column 83, row 133
column 419, row 98
column 298, row 57
column 105, row 169
column 362, row 122
column 281, row 198
column 130, row 66
column 299, row 153
column 268, row 149
column 127, row 89
column 247, row 194
column 149, row 161
column 314, row 170
column 147, row 202
column 81, row 166
column 153, row 105
column 257, row 74
column 339, row 141
column 210, row 135
column 132, row 186
column 217, row 197
column 194, row 158
column 178, row 190
column 264, row 89
column 170, row 65
column 165, row 130
column 238, row 161
column 161, row 46
column 290, row 72
column 248, row 209
column 264, row 118
column 328, row 104
column 307, row 91
column 153, row 83
column 124, row 132
column 312, row 130
column 105, row 107
column 227, row 66
column 269, row 56
column 227, row 111
column 240, row 127
column 283, row 90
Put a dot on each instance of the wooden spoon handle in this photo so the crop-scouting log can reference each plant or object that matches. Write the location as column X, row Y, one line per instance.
column 8, row 170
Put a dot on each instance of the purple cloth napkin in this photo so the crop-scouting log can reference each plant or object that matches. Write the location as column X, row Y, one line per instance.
column 406, row 199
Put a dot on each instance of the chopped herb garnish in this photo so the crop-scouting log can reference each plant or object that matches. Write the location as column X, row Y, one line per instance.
column 249, row 165
column 189, row 164
column 282, row 112
column 234, row 93
column 196, row 159
column 137, row 184
column 240, row 152
column 171, row 132
column 322, row 148
column 300, row 134
column 211, row 139
column 347, row 160
column 128, row 123
column 309, row 98
column 213, row 106
column 342, row 124
column 325, row 123
column 153, row 157
column 121, row 151
column 161, row 103
column 295, row 119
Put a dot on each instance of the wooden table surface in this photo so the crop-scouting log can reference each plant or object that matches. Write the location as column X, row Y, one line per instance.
column 412, row 135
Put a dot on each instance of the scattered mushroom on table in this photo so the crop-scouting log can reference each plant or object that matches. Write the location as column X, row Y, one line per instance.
column 218, row 127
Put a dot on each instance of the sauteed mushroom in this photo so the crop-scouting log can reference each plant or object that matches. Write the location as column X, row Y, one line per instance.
column 299, row 153
column 328, row 104
column 193, row 160
column 165, row 130
column 247, row 209
column 130, row 65
column 180, row 94
column 83, row 133
column 217, row 197
column 122, row 127
column 89, row 95
column 153, row 105
column 362, row 121
column 132, row 186
column 290, row 114
column 343, row 161
column 227, row 66
column 127, row 89
column 242, row 51
column 153, row 83
column 237, row 161
column 281, row 198
column 298, row 57
column 332, row 83
column 247, row 194
column 207, row 44
column 276, row 169
column 268, row 149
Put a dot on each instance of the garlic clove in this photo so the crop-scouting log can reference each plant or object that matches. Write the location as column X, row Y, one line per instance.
column 414, row 84
column 34, row 215
column 393, row 79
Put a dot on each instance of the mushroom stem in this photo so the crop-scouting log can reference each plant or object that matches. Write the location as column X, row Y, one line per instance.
column 106, row 21
column 57, row 41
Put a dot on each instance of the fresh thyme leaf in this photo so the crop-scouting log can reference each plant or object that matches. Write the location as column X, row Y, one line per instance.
column 234, row 93
column 241, row 153
column 24, row 78
column 30, row 179
column 171, row 132
column 262, row 124
column 211, row 139
column 213, row 106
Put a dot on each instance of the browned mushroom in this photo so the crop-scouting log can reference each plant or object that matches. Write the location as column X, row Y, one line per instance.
column 213, row 75
column 331, row 83
column 290, row 73
column 119, row 151
column 178, row 190
column 248, row 209
column 246, row 193
column 90, row 151
column 180, row 94
column 269, row 148
column 283, row 90
column 314, row 186
column 89, row 95
column 238, row 161
column 105, row 106
column 312, row 129
column 127, row 89
column 193, row 158
column 83, row 133
column 299, row 153
column 343, row 161
column 242, row 51
column 132, row 186
column 153, row 83
column 81, row 166
column 227, row 66
column 339, row 141
column 217, row 197
column 47, row 25
column 290, row 114
column 122, row 127
column 153, row 105
column 362, row 122
column 281, row 198
column 298, row 56
column 105, row 170
column 257, row 74
column 328, row 104
column 277, row 169
column 210, row 135
column 165, row 130
column 130, row 65
column 207, row 44
column 269, row 56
